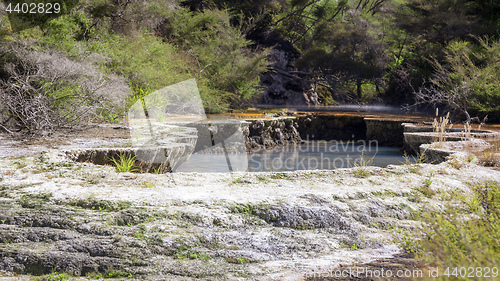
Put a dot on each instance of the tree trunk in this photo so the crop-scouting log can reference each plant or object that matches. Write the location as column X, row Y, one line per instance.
column 359, row 90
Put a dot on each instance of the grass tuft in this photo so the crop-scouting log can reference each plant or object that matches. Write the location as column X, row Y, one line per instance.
column 124, row 163
column 361, row 166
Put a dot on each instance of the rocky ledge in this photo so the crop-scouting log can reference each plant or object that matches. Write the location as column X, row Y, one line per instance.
column 89, row 221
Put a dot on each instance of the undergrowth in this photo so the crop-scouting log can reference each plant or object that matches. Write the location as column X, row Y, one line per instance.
column 466, row 236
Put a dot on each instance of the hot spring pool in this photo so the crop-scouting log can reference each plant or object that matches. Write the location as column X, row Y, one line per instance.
column 312, row 155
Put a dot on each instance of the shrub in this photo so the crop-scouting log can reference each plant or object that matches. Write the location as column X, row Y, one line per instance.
column 458, row 238
column 468, row 80
column 43, row 91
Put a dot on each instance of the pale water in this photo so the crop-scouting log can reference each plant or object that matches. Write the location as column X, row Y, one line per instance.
column 313, row 155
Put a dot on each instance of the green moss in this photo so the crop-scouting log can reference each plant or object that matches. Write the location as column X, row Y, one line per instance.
column 239, row 260
column 249, row 208
column 240, row 180
column 101, row 205
column 34, row 200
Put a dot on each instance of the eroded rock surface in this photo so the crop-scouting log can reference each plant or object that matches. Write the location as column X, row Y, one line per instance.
column 88, row 220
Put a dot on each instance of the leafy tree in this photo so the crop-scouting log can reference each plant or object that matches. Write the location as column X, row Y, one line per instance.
column 227, row 68
column 346, row 53
column 425, row 28
column 468, row 81
column 20, row 20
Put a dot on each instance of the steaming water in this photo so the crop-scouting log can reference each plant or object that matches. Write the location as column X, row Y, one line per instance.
column 313, row 155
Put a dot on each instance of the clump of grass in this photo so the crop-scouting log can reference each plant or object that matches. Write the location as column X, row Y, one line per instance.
column 241, row 180
column 466, row 132
column 110, row 274
column 411, row 160
column 455, row 163
column 191, row 255
column 426, row 189
column 464, row 237
column 158, row 170
column 360, row 166
column 414, row 162
column 33, row 201
column 489, row 159
column 440, row 126
column 280, row 176
column 101, row 205
column 124, row 163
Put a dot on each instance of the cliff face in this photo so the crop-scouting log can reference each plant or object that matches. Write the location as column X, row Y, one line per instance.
column 283, row 85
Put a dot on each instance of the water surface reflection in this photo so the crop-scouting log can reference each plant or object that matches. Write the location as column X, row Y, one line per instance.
column 312, row 155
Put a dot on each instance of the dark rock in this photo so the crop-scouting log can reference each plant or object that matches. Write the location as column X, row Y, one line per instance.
column 262, row 134
column 332, row 127
column 282, row 87
column 304, row 217
column 10, row 264
column 42, row 218
column 131, row 217
column 72, row 263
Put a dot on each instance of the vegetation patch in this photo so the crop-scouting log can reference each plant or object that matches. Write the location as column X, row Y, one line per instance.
column 34, row 200
column 55, row 277
column 238, row 260
column 101, row 205
column 489, row 159
column 124, row 163
column 426, row 189
column 134, row 216
column 280, row 176
column 462, row 236
column 111, row 274
column 248, row 208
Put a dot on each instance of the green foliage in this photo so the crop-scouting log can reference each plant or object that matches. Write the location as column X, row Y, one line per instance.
column 471, row 74
column 111, row 274
column 185, row 251
column 426, row 189
column 467, row 237
column 54, row 276
column 124, row 163
column 20, row 21
column 355, row 50
column 227, row 69
column 147, row 62
column 203, row 45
